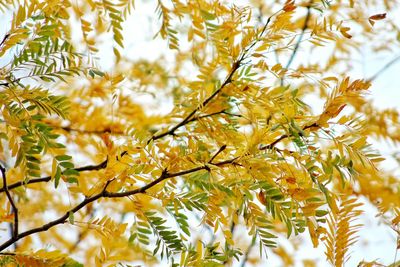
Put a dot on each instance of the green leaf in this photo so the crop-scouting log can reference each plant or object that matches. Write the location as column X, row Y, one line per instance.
column 98, row 73
column 91, row 73
column 72, row 263
column 67, row 164
column 207, row 15
column 57, row 177
column 70, row 172
column 321, row 213
column 71, row 217
column 63, row 157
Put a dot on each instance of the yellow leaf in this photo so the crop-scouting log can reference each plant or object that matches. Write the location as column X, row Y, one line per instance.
column 53, row 168
column 378, row 16
column 359, row 143
column 228, row 237
column 344, row 32
column 156, row 173
column 276, row 67
column 289, row 6
column 199, row 249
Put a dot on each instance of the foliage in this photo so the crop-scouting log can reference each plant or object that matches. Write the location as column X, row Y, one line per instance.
column 229, row 153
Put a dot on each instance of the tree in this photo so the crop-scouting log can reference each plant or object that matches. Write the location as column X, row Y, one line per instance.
column 202, row 153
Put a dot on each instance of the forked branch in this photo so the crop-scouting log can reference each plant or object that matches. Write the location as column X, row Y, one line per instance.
column 11, row 200
column 106, row 194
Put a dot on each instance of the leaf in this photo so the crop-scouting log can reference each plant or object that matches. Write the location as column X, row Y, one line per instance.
column 340, row 234
column 67, row 165
column 63, row 157
column 289, row 6
column 57, row 176
column 71, row 217
column 378, row 16
column 344, row 32
column 207, row 15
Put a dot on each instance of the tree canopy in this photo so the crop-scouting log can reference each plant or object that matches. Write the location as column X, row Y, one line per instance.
column 201, row 133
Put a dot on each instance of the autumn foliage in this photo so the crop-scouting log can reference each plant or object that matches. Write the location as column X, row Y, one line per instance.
column 237, row 130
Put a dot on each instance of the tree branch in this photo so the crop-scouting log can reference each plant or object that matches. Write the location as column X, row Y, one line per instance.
column 82, row 234
column 303, row 30
column 246, row 255
column 100, row 166
column 222, row 148
column 189, row 117
column 232, row 230
column 384, row 68
column 165, row 175
column 236, row 65
column 4, row 39
column 98, row 132
column 9, row 197
column 209, row 115
column 284, row 136
column 103, row 164
column 106, row 194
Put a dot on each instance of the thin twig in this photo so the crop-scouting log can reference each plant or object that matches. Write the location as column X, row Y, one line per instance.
column 167, row 176
column 82, row 234
column 384, row 68
column 100, row 166
column 98, row 132
column 222, row 148
column 260, row 35
column 232, row 114
column 196, row 118
column 246, row 255
column 9, row 197
column 284, row 136
column 303, row 30
column 4, row 39
column 232, row 230
column 8, row 253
